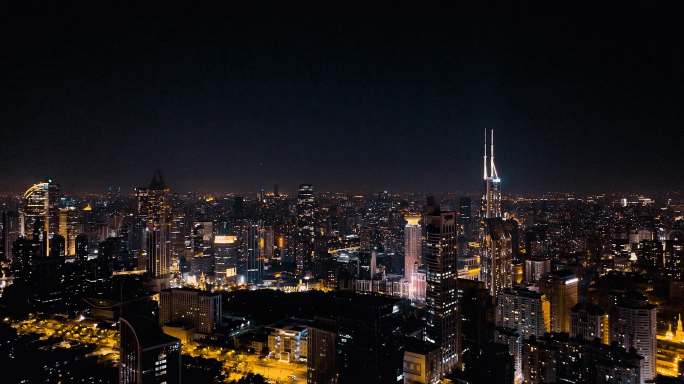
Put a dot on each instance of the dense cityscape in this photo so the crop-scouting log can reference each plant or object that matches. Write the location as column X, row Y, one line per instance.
column 153, row 286
column 251, row 193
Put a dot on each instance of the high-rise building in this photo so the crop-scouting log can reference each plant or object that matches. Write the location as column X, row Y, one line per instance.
column 557, row 358
column 367, row 343
column 561, row 287
column 68, row 228
column 147, row 355
column 535, row 267
column 441, row 295
column 199, row 309
column 266, row 242
column 523, row 310
column 255, row 263
column 321, row 353
column 10, row 232
column 496, row 243
column 40, row 203
column 225, row 256
column 154, row 211
column 491, row 198
column 306, row 227
column 412, row 249
column 465, row 216
column 633, row 325
column 589, row 322
column 496, row 263
column 82, row 245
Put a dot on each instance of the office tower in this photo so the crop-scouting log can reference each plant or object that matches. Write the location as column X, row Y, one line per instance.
column 412, row 249
column 225, row 256
column 561, row 288
column 496, row 243
column 68, row 228
column 441, row 295
column 556, row 358
column 524, row 310
column 25, row 252
column 10, row 232
column 306, row 224
column 589, row 322
column 238, row 207
column 154, row 211
column 496, row 264
column 477, row 311
column 367, row 339
column 202, row 261
column 535, row 267
column 199, row 309
column 321, row 362
column 673, row 256
column 81, row 244
column 57, row 245
column 633, row 325
column 465, row 216
column 40, row 203
column 255, row 263
column 266, row 242
column 115, row 251
column 513, row 340
column 491, row 199
column 147, row 355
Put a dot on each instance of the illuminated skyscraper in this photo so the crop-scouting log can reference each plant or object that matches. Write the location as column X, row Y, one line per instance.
column 255, row 263
column 523, row 310
column 633, row 325
column 412, row 246
column 154, row 211
column 562, row 290
column 496, row 266
column 589, row 322
column 496, row 258
column 441, row 296
column 68, row 228
column 40, row 203
column 306, row 234
column 412, row 253
column 491, row 199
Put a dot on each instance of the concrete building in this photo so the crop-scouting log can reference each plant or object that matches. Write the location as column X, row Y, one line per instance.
column 202, row 310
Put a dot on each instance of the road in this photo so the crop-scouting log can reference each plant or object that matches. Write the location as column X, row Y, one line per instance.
column 235, row 364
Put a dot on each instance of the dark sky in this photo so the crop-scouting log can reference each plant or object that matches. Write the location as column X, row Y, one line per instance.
column 232, row 100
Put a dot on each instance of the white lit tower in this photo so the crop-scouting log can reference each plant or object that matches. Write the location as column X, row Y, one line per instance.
column 412, row 257
column 496, row 249
column 491, row 199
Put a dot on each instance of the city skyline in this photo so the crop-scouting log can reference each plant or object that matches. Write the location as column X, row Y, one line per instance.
column 197, row 194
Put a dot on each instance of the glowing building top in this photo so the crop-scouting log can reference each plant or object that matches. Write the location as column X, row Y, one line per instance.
column 491, row 199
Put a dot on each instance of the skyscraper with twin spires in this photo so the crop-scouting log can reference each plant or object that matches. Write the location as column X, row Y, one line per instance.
column 495, row 240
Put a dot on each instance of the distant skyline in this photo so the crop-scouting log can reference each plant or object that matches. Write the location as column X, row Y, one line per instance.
column 222, row 101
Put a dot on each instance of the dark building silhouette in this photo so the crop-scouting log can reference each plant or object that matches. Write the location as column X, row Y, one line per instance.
column 147, row 355
column 321, row 353
column 366, row 337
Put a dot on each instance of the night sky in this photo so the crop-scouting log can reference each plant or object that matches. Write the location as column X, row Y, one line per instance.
column 235, row 100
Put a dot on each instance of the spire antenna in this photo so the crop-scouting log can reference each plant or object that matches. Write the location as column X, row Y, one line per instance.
column 492, row 167
column 485, row 154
